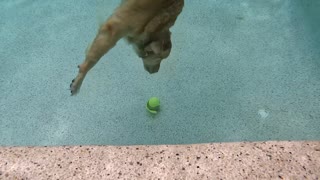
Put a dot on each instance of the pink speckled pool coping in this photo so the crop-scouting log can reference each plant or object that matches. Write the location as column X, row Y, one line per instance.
column 244, row 160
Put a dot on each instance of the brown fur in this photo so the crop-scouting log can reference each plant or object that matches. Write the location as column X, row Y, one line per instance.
column 145, row 24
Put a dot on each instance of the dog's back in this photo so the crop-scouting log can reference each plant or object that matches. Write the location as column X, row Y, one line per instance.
column 148, row 16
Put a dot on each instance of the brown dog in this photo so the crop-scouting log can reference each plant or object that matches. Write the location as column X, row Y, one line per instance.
column 145, row 24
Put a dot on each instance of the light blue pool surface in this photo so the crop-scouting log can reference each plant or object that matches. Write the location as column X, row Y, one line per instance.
column 238, row 71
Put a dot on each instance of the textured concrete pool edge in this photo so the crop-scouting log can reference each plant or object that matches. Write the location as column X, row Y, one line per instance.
column 262, row 160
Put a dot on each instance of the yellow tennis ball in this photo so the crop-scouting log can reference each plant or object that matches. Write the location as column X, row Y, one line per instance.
column 153, row 105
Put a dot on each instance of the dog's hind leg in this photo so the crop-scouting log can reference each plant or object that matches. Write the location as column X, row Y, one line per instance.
column 107, row 37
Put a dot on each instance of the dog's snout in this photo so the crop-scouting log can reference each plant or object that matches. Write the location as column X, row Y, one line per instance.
column 152, row 69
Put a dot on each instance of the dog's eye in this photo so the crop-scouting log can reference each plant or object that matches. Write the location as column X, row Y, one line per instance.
column 166, row 45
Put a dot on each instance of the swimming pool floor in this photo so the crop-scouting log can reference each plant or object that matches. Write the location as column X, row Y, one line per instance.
column 238, row 71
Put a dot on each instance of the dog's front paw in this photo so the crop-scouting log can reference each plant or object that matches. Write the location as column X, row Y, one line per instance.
column 76, row 84
column 74, row 88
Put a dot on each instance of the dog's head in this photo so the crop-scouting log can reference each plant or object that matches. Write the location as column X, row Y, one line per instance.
column 157, row 50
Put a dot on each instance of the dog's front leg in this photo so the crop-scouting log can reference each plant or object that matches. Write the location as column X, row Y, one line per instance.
column 107, row 37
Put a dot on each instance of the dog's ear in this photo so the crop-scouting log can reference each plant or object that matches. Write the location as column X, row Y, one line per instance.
column 157, row 23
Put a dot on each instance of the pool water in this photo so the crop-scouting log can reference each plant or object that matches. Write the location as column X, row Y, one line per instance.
column 238, row 71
